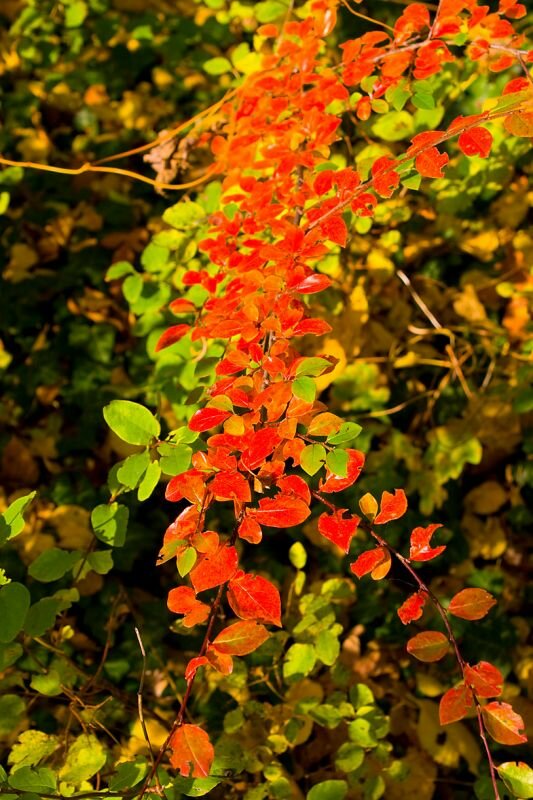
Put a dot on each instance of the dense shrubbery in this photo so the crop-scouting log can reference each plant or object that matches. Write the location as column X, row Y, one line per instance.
column 429, row 348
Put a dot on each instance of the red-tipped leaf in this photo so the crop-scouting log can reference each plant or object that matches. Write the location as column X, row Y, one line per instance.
column 171, row 336
column 206, row 418
column 338, row 528
column 421, row 549
column 485, row 679
column 393, row 506
column 412, row 608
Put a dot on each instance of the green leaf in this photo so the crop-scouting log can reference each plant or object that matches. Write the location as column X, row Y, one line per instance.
column 394, row 126
column 85, row 757
column 101, row 561
column 110, row 522
column 9, row 654
column 118, row 270
column 175, row 458
column 11, row 520
column 337, row 462
column 297, row 555
column 42, row 615
column 184, row 215
column 14, row 605
column 361, row 695
column 132, row 288
column 423, row 100
column 304, row 388
column 31, row 747
column 149, row 482
column 312, row 458
column 129, row 774
column 217, row 66
column 186, row 561
column 132, row 422
column 314, row 366
column 299, row 661
column 133, row 468
column 52, row 564
column 48, row 684
column 40, row 781
column 270, row 10
column 12, row 709
column 518, row 777
column 75, row 14
column 349, row 757
column 327, row 647
column 194, row 787
column 347, row 432
column 328, row 790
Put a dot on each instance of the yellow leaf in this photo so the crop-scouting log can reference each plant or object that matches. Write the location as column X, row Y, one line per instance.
column 72, row 525
column 486, row 538
column 487, row 498
column 22, row 259
column 467, row 305
column 446, row 745
column 481, row 245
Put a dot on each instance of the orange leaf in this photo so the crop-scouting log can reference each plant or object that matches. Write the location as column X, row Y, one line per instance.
column 240, row 638
column 503, row 723
column 253, row 597
column 485, row 679
column 428, row 646
column 430, row 162
column 393, row 506
column 369, row 561
column 215, row 568
column 476, row 142
column 420, row 548
column 280, row 512
column 337, row 528
column 182, row 600
column 250, row 531
column 412, row 608
column 192, row 752
column 193, row 665
column 311, row 285
column 190, row 484
column 471, row 604
column 455, row 703
column 336, row 483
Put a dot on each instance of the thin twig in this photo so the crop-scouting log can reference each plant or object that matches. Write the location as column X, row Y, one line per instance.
column 140, row 701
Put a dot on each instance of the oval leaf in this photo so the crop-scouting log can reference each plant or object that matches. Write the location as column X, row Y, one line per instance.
column 455, row 704
column 503, row 723
column 471, row 604
column 192, row 752
column 131, row 422
column 428, row 646
column 240, row 638
column 253, row 597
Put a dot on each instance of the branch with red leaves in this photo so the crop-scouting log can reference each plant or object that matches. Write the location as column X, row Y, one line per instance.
column 265, row 428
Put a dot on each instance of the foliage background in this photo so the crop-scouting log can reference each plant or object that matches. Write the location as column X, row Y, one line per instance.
column 82, row 80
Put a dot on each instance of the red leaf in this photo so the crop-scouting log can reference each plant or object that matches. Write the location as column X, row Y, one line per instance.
column 485, row 679
column 261, row 444
column 337, row 528
column 430, row 162
column 250, row 531
column 476, row 142
column 428, row 646
column 412, row 608
column 280, row 512
column 240, row 638
column 471, row 604
column 393, row 506
column 369, row 561
column 420, row 548
column 215, row 568
column 171, row 336
column 192, row 752
column 335, row 230
column 317, row 327
column 206, row 418
column 190, row 484
column 312, row 284
column 455, row 703
column 230, row 485
column 293, row 485
column 503, row 724
column 182, row 600
column 336, row 483
column 193, row 665
column 385, row 179
column 253, row 597
column 181, row 306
